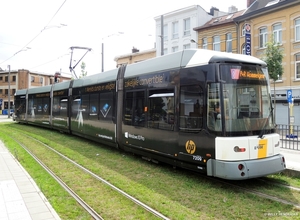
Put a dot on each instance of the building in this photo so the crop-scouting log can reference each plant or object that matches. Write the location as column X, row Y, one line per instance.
column 174, row 30
column 135, row 57
column 11, row 81
column 279, row 19
column 177, row 33
column 249, row 30
column 219, row 33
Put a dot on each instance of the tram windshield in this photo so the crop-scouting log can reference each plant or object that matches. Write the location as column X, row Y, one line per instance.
column 241, row 103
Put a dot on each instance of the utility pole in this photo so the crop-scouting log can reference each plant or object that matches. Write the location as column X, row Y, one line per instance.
column 8, row 91
column 162, row 35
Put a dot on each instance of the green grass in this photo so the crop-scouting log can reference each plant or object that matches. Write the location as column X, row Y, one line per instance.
column 178, row 194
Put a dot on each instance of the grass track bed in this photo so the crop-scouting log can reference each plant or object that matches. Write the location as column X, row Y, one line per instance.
column 177, row 194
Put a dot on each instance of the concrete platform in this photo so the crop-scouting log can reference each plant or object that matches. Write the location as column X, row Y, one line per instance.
column 20, row 197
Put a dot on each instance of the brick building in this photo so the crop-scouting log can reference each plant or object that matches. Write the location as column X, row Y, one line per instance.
column 21, row 79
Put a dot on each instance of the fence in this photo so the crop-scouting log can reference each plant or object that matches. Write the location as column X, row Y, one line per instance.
column 289, row 136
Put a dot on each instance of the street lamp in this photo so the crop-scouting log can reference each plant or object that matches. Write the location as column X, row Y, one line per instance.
column 24, row 49
column 102, row 54
column 193, row 41
column 53, row 26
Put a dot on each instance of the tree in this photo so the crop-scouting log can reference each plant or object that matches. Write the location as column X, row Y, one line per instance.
column 83, row 72
column 273, row 58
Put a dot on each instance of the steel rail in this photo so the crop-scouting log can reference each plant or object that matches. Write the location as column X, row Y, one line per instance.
column 143, row 205
column 89, row 209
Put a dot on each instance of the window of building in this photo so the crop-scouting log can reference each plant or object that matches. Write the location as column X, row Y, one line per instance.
column 229, row 42
column 32, row 78
column 165, row 32
column 1, row 78
column 204, row 43
column 165, row 51
column 14, row 78
column 175, row 30
column 175, row 49
column 186, row 27
column 297, row 66
column 6, row 91
column 216, row 43
column 0, row 91
column 297, row 29
column 243, row 49
column 14, row 91
column 186, row 46
column 6, row 78
column 263, row 37
column 244, row 30
column 277, row 33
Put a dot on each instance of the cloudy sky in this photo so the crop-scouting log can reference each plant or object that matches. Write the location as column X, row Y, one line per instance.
column 37, row 34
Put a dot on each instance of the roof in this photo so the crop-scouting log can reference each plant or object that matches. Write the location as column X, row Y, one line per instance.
column 260, row 7
column 220, row 20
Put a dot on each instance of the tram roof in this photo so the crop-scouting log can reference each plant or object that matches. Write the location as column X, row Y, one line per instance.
column 61, row 85
column 40, row 89
column 103, row 77
column 187, row 58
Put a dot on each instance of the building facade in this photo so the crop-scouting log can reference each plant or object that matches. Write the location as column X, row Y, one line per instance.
column 174, row 30
column 135, row 57
column 279, row 21
column 219, row 33
column 11, row 81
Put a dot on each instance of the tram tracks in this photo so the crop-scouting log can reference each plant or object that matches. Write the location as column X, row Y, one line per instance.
column 259, row 193
column 188, row 186
column 81, row 201
column 251, row 191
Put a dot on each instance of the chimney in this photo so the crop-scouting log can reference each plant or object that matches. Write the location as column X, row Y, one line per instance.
column 249, row 2
column 213, row 11
column 232, row 9
column 134, row 50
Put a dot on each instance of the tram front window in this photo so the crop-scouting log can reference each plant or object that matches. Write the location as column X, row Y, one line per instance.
column 244, row 99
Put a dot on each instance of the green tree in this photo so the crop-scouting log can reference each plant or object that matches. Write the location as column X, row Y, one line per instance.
column 83, row 72
column 273, row 58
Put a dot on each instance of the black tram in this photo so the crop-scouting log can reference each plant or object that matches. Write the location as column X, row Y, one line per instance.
column 164, row 109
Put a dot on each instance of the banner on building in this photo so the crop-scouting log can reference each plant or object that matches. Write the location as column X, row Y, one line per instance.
column 248, row 39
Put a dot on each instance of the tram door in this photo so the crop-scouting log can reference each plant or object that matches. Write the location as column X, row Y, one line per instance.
column 191, row 106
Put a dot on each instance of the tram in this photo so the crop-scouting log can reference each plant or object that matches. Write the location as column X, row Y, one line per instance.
column 165, row 109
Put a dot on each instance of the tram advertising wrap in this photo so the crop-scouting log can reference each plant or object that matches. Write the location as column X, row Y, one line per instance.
column 201, row 110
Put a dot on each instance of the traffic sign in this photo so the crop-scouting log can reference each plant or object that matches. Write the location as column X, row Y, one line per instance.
column 289, row 96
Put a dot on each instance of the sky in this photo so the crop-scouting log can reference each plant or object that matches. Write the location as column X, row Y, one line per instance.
column 37, row 34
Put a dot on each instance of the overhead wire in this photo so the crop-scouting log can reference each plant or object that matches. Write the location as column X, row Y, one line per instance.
column 37, row 34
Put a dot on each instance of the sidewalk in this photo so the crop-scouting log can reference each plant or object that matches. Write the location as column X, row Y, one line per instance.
column 292, row 158
column 20, row 197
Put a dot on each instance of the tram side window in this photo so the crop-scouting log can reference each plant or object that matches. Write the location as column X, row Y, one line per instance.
column 93, row 107
column 85, row 99
column 56, row 107
column 42, row 106
column 191, row 108
column 60, row 106
column 106, row 106
column 20, row 106
column 161, row 109
column 64, row 107
column 134, row 112
column 32, row 102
